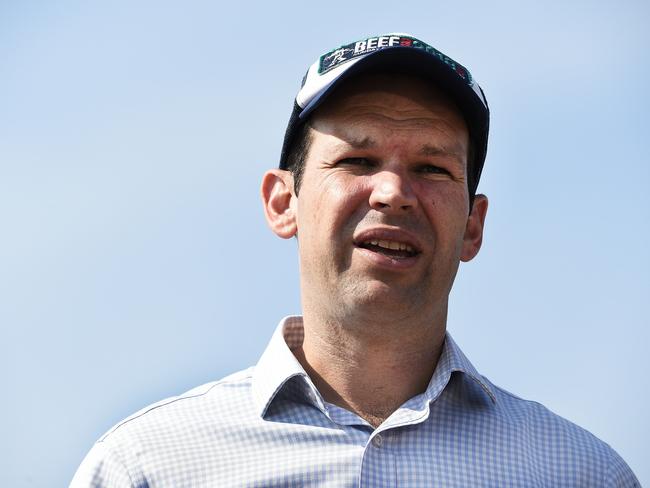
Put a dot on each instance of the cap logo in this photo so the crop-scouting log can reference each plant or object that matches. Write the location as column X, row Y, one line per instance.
column 335, row 58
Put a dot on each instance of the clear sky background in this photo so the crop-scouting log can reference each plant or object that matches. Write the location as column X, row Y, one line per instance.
column 134, row 259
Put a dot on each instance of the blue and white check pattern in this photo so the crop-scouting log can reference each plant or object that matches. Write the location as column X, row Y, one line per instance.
column 268, row 426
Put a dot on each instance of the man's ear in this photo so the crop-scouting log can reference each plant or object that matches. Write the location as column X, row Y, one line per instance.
column 473, row 237
column 277, row 197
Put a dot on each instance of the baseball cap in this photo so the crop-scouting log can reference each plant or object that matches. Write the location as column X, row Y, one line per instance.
column 400, row 53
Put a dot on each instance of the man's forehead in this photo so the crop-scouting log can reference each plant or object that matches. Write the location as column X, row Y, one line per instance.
column 368, row 108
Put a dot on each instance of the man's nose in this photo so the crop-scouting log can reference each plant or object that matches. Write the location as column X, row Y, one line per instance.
column 392, row 192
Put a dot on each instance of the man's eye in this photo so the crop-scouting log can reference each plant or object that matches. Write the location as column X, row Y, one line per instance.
column 432, row 169
column 356, row 162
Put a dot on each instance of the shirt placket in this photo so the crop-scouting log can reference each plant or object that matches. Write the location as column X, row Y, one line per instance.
column 379, row 463
column 378, row 467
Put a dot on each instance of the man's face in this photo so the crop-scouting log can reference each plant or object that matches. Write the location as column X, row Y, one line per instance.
column 382, row 211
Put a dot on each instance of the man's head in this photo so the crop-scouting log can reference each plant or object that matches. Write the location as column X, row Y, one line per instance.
column 383, row 214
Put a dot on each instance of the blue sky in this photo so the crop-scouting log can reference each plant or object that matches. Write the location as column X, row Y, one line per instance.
column 135, row 262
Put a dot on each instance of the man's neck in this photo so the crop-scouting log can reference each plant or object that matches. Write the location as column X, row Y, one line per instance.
column 370, row 369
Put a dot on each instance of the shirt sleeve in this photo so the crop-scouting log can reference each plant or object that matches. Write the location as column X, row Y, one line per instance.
column 101, row 468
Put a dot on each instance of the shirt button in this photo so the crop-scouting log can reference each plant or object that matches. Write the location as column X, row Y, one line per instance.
column 377, row 441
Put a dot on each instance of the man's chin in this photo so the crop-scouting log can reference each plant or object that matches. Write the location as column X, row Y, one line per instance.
column 382, row 296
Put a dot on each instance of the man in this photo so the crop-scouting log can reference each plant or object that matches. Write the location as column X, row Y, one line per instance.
column 377, row 181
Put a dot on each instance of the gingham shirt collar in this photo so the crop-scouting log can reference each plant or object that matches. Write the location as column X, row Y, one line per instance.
column 278, row 366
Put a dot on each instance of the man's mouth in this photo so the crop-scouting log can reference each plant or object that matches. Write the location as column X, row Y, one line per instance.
column 393, row 249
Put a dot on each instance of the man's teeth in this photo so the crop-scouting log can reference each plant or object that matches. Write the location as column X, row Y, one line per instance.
column 397, row 246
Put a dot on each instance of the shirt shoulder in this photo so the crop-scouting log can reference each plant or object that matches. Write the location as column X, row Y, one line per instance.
column 210, row 395
column 159, row 437
column 562, row 446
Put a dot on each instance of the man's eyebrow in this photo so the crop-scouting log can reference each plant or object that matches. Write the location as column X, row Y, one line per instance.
column 425, row 150
column 428, row 150
column 364, row 143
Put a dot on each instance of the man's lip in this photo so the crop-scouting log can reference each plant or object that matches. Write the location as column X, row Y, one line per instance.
column 388, row 234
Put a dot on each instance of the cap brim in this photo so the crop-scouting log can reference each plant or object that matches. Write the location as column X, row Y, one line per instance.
column 418, row 62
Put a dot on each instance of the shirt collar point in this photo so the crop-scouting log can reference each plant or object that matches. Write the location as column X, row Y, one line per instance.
column 453, row 359
column 278, row 365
